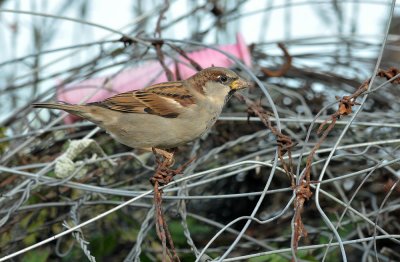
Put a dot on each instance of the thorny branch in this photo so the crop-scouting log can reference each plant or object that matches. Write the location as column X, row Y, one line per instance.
column 160, row 55
column 159, row 44
column 345, row 107
column 161, row 17
column 180, row 51
column 162, row 227
column 285, row 67
column 285, row 144
column 390, row 73
column 162, row 176
column 127, row 41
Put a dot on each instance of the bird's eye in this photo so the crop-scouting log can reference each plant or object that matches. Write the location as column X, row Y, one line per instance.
column 223, row 79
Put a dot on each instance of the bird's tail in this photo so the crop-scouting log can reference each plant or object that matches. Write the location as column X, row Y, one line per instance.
column 91, row 112
column 72, row 109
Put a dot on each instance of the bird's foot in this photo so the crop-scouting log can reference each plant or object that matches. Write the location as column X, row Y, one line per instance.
column 168, row 160
column 164, row 174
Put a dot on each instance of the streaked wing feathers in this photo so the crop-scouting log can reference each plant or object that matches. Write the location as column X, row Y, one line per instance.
column 165, row 99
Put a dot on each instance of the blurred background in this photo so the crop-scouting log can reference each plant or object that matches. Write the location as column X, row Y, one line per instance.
column 305, row 55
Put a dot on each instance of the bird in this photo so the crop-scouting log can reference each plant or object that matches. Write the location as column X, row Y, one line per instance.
column 162, row 116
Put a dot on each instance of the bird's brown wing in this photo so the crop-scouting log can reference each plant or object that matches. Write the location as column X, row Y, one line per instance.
column 165, row 99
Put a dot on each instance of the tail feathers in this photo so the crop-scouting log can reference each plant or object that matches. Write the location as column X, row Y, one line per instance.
column 73, row 109
column 89, row 112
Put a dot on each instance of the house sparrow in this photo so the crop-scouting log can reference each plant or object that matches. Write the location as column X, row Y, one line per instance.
column 165, row 115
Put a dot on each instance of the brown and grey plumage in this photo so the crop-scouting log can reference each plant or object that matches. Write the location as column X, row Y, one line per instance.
column 163, row 115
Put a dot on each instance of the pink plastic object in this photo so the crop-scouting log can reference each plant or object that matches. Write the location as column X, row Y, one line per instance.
column 97, row 89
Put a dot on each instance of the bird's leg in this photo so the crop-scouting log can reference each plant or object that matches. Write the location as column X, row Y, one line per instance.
column 164, row 174
column 169, row 159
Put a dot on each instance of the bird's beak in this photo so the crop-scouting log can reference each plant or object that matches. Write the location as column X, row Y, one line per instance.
column 240, row 84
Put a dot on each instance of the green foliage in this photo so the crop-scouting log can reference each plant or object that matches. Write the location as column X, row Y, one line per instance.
column 104, row 244
column 31, row 224
column 302, row 254
column 176, row 230
column 3, row 145
column 268, row 258
column 37, row 255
